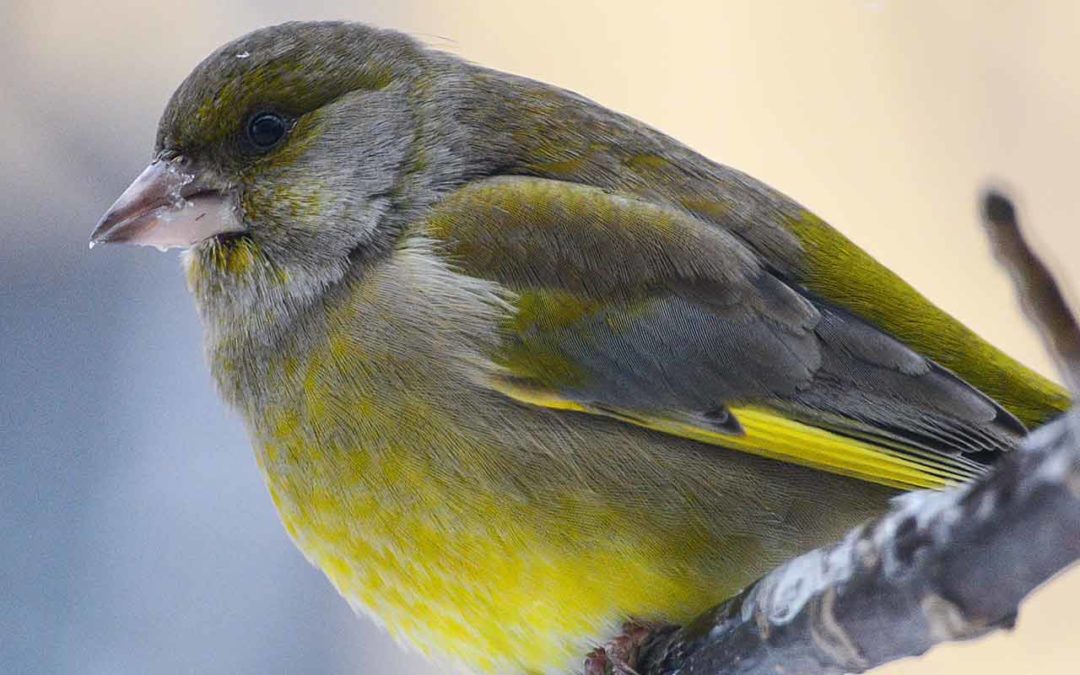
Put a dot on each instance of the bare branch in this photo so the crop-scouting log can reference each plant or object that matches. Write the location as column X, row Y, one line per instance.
column 939, row 566
column 1040, row 296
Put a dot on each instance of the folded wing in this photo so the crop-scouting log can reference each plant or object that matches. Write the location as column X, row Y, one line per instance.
column 642, row 313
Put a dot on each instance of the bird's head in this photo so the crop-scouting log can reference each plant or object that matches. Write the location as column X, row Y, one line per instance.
column 279, row 157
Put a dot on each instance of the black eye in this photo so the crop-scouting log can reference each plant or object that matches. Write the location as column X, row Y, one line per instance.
column 266, row 129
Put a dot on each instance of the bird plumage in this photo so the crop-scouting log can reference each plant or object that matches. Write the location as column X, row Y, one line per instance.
column 518, row 368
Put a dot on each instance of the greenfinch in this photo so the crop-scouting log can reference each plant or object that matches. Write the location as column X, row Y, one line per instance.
column 517, row 368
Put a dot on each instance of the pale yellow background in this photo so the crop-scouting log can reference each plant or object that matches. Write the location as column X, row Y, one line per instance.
column 882, row 116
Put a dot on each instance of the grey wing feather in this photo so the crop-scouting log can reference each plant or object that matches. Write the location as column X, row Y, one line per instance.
column 685, row 356
column 869, row 377
column 674, row 354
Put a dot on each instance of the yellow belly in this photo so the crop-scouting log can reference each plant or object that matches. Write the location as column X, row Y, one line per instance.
column 493, row 585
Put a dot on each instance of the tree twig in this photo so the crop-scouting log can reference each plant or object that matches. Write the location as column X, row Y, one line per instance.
column 939, row 566
column 1040, row 295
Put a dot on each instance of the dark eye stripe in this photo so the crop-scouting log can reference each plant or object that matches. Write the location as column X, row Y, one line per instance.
column 265, row 130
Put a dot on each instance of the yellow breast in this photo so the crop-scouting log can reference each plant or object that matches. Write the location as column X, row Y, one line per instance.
column 496, row 584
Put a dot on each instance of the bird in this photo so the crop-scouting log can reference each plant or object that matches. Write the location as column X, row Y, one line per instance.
column 519, row 370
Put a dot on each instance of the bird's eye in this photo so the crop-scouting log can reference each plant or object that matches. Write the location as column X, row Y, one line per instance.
column 266, row 129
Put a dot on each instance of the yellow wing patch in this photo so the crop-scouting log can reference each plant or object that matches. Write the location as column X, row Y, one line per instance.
column 769, row 434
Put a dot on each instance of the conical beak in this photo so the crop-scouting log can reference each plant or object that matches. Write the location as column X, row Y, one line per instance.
column 167, row 207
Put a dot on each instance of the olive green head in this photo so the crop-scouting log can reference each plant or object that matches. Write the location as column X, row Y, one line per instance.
column 304, row 131
column 291, row 71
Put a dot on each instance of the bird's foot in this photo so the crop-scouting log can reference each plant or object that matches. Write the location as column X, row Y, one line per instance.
column 618, row 656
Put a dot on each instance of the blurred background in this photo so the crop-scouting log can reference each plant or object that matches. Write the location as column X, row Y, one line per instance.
column 135, row 533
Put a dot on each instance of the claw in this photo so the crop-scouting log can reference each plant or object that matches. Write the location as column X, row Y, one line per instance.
column 618, row 656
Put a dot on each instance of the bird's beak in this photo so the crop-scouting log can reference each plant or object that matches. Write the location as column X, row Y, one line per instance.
column 167, row 207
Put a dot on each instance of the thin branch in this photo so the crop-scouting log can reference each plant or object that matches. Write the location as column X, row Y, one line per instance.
column 1040, row 296
column 940, row 566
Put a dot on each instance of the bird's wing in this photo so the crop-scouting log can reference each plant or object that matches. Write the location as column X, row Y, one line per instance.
column 639, row 312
